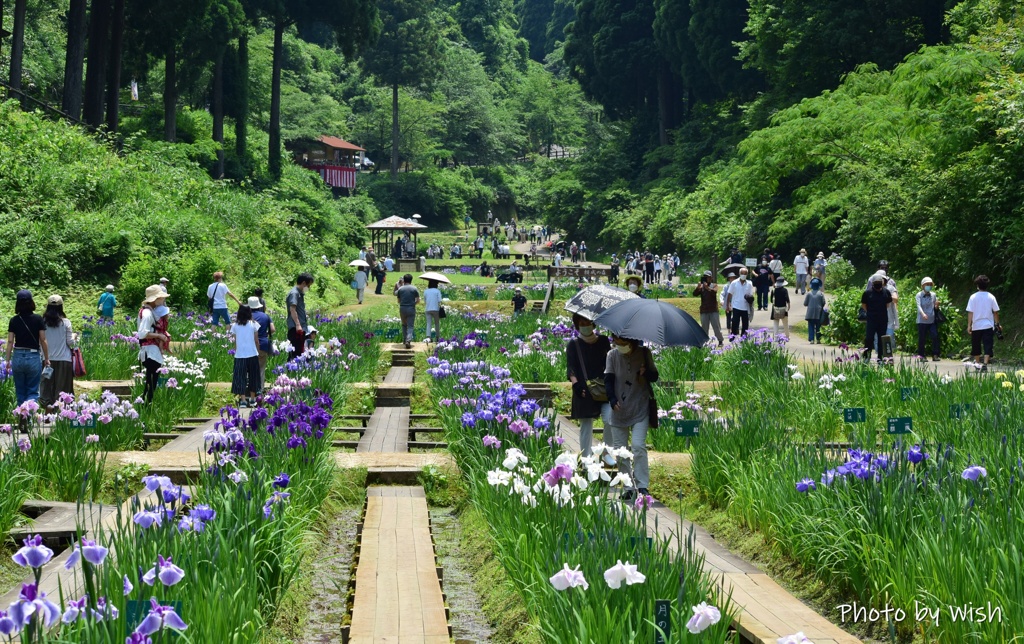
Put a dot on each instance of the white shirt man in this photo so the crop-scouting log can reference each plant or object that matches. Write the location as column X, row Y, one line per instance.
column 736, row 301
column 802, row 267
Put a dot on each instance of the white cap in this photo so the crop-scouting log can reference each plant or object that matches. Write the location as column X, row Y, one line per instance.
column 164, row 279
column 927, row 280
column 110, row 287
column 877, row 277
column 254, row 303
column 312, row 330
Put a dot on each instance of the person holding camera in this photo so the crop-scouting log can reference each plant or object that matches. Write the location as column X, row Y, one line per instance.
column 707, row 291
column 983, row 322
column 875, row 302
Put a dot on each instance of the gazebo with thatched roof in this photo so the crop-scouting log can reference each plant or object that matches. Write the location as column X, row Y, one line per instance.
column 382, row 236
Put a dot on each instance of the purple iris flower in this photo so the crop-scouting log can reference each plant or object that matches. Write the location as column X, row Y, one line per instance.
column 128, row 587
column 805, row 485
column 916, row 455
column 281, row 481
column 165, row 571
column 159, row 617
column 104, row 610
column 974, row 472
column 146, row 519
column 33, row 554
column 75, row 609
column 93, row 553
column 7, row 626
column 203, row 513
column 32, row 602
column 153, row 482
column 560, row 472
column 190, row 524
column 492, row 442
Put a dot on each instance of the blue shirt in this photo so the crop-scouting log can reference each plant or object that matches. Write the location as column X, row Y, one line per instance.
column 107, row 304
column 263, row 320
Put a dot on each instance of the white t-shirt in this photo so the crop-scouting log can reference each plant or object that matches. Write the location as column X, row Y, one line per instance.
column 983, row 305
column 725, row 294
column 245, row 339
column 775, row 266
column 147, row 325
column 219, row 292
column 360, row 279
column 389, row 264
column 801, row 264
column 432, row 299
column 738, row 290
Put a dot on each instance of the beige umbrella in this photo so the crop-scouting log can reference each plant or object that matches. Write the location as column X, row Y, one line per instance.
column 359, row 262
column 435, row 276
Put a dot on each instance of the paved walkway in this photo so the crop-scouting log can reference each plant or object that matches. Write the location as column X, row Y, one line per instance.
column 767, row 611
column 398, row 596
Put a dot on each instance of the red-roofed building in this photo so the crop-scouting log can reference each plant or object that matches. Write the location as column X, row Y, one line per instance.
column 335, row 159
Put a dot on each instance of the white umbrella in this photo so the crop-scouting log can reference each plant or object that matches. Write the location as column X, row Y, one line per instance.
column 436, row 277
column 359, row 262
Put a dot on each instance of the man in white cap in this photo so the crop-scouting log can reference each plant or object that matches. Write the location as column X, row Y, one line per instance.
column 163, row 284
column 265, row 336
column 518, row 301
column 107, row 303
column 801, row 265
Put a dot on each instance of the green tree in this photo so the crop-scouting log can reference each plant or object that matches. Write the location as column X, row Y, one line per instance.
column 405, row 54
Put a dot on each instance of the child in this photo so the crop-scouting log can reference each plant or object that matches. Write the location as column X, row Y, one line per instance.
column 518, row 302
column 246, row 379
column 311, row 338
column 780, row 306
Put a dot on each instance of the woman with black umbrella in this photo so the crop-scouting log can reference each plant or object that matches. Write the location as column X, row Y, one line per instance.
column 628, row 374
column 585, row 358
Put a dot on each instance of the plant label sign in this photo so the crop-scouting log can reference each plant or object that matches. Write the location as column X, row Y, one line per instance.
column 906, row 393
column 663, row 621
column 750, row 263
column 900, row 425
column 161, row 382
column 855, row 415
column 89, row 424
column 956, row 412
column 520, row 337
column 687, row 428
column 391, row 334
column 87, row 333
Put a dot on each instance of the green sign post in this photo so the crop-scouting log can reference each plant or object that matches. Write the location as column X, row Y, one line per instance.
column 663, row 621
column 89, row 424
column 687, row 428
column 855, row 415
column 900, row 425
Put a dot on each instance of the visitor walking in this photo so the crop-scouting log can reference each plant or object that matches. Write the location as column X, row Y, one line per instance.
column 657, row 269
column 927, row 324
column 264, row 338
column 518, row 301
column 875, row 303
column 583, row 251
column 707, row 291
column 730, row 277
column 815, row 313
column 26, row 342
column 585, row 359
column 763, row 281
column 819, row 269
column 360, row 282
column 297, row 325
column 982, row 321
column 408, row 297
column 628, row 374
column 60, row 340
column 775, row 266
column 217, row 296
column 801, row 266
column 432, row 310
column 245, row 381
column 648, row 267
column 780, row 307
column 153, row 339
column 739, row 300
column 105, row 307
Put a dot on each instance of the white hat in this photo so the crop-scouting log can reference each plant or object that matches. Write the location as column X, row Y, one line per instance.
column 821, row 255
column 110, row 287
column 927, row 280
column 254, row 303
column 312, row 330
column 164, row 279
column 519, row 289
column 877, row 277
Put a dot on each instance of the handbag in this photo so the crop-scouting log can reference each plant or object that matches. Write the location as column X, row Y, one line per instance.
column 354, row 285
column 78, row 364
column 779, row 312
column 598, row 392
column 862, row 315
column 826, row 318
column 441, row 313
column 940, row 317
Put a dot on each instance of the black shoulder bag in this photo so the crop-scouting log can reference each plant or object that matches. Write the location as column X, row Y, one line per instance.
column 596, row 387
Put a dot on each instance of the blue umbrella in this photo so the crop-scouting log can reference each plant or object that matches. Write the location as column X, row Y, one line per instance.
column 653, row 321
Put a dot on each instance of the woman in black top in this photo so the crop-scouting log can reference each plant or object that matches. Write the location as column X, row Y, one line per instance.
column 26, row 352
column 585, row 358
column 780, row 307
column 875, row 302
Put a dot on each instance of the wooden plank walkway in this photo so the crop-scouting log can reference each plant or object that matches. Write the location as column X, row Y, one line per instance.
column 398, row 596
column 400, row 375
column 767, row 610
column 387, row 431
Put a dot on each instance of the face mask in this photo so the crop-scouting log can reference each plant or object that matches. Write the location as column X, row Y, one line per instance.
column 633, row 288
column 928, row 288
column 878, row 286
column 623, row 348
column 586, row 331
column 743, row 278
column 814, row 288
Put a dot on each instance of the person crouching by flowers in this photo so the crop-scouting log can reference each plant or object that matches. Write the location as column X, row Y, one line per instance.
column 628, row 374
column 585, row 359
column 265, row 335
column 153, row 338
column 245, row 381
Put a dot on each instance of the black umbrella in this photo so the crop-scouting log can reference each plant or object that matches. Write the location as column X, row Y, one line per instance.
column 732, row 268
column 595, row 300
column 653, row 321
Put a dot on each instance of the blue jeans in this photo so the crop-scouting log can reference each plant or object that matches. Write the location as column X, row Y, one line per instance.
column 27, row 368
column 219, row 314
column 813, row 330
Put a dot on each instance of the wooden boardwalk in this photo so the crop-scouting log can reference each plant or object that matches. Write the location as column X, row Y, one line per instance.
column 398, row 597
column 387, row 431
column 767, row 610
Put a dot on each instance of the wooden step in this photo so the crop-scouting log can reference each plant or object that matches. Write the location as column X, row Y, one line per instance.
column 196, row 421
column 345, row 444
column 427, row 445
column 426, row 430
column 153, row 436
column 362, row 418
